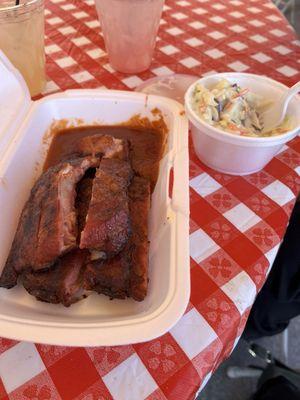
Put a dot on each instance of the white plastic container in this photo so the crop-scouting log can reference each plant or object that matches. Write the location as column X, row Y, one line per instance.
column 233, row 154
column 96, row 320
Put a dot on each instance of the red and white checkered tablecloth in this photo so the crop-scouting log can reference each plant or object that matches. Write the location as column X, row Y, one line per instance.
column 236, row 223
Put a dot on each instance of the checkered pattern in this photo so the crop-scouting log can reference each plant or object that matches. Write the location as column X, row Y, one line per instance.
column 236, row 223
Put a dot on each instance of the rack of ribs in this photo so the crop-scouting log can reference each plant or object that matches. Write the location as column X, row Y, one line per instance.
column 86, row 228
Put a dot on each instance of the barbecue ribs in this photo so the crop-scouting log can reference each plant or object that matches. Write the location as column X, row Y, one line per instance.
column 84, row 227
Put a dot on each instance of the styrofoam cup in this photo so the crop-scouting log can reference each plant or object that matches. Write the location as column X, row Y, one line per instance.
column 234, row 154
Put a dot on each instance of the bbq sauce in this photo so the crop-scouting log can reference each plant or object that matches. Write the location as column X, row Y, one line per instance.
column 146, row 147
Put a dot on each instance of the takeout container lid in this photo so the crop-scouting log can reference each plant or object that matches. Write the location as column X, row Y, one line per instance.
column 14, row 100
column 96, row 320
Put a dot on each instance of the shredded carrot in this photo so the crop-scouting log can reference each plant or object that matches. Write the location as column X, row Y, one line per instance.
column 241, row 93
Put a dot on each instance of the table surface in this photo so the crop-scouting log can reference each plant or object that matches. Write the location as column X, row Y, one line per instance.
column 236, row 223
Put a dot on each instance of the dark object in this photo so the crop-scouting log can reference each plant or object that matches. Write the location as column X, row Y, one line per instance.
column 277, row 381
column 278, row 388
column 47, row 227
column 127, row 273
column 107, row 227
column 279, row 299
column 60, row 284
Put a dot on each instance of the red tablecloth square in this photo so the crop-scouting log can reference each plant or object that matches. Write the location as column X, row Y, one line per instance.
column 278, row 169
column 257, row 271
column 277, row 221
column 263, row 236
column 221, row 231
column 259, row 179
column 241, row 188
column 199, row 293
column 243, row 251
column 73, row 373
column 295, row 144
column 201, row 211
column 221, row 314
column 293, row 182
column 261, row 204
column 205, row 361
column 222, row 200
column 220, row 267
column 98, row 391
column 194, row 169
column 173, row 388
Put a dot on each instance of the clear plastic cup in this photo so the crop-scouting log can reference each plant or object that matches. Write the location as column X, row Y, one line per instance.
column 129, row 28
column 22, row 40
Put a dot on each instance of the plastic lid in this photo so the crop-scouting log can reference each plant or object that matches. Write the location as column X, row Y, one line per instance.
column 173, row 86
column 14, row 100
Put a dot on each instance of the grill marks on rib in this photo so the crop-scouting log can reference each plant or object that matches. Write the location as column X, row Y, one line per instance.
column 127, row 273
column 60, row 284
column 47, row 227
column 107, row 227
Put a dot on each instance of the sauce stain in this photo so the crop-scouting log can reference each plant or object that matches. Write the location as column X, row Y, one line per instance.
column 146, row 146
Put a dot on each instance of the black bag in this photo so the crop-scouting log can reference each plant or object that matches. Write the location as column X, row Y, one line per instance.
column 279, row 299
column 278, row 381
column 278, row 388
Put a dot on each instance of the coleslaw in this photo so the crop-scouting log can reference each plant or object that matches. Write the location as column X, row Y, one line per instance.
column 234, row 109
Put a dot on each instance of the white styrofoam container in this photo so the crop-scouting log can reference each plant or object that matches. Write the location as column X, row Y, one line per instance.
column 234, row 154
column 96, row 320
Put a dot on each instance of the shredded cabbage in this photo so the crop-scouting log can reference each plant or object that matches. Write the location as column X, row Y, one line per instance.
column 234, row 109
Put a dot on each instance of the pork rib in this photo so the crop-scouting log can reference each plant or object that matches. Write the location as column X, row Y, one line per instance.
column 127, row 273
column 83, row 198
column 107, row 227
column 139, row 205
column 109, row 277
column 48, row 224
column 62, row 283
